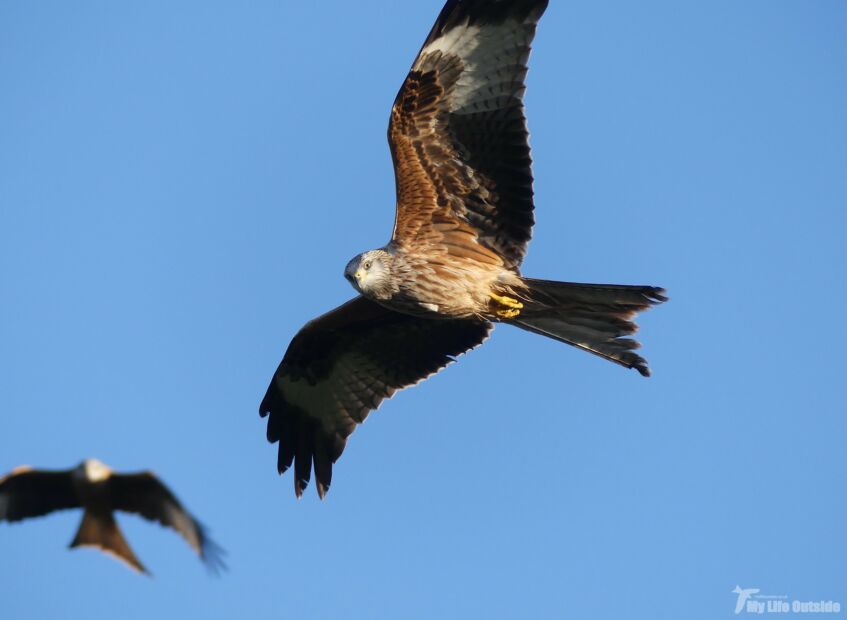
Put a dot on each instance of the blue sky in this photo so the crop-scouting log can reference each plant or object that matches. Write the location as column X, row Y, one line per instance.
column 181, row 185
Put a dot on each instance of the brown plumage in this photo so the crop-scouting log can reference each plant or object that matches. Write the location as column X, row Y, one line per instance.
column 464, row 216
column 27, row 493
column 458, row 136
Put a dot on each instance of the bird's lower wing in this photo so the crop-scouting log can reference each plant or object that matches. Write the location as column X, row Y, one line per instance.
column 340, row 367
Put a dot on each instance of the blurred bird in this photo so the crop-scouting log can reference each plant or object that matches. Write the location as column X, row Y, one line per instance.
column 464, row 217
column 92, row 486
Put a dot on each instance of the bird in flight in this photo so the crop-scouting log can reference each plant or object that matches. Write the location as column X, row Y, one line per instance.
column 99, row 491
column 464, row 216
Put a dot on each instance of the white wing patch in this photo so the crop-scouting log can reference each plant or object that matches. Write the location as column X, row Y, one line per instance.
column 347, row 396
column 489, row 78
column 328, row 398
column 456, row 41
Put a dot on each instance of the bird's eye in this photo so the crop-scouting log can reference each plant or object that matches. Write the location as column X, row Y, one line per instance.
column 367, row 265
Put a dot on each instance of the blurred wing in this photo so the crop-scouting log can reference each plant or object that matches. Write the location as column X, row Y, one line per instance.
column 340, row 367
column 144, row 494
column 458, row 133
column 27, row 492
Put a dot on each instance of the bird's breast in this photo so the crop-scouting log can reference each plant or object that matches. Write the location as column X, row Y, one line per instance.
column 442, row 286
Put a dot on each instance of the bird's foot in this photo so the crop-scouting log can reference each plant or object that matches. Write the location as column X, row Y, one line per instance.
column 509, row 306
column 507, row 314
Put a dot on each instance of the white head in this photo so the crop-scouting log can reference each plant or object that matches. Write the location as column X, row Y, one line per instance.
column 93, row 470
column 370, row 274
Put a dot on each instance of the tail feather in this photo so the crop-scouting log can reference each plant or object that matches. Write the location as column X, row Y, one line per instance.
column 592, row 317
column 101, row 531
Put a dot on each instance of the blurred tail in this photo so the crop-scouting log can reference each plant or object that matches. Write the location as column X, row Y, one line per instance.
column 101, row 531
column 592, row 317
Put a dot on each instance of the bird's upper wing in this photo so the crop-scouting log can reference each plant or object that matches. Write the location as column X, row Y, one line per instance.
column 458, row 133
column 340, row 367
column 28, row 492
column 144, row 494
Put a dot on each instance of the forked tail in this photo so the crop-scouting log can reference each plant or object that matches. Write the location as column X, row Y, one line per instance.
column 592, row 317
column 101, row 531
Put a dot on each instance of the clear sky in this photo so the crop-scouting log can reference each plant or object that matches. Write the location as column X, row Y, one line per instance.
column 181, row 185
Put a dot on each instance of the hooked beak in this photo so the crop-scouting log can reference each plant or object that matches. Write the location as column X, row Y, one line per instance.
column 354, row 277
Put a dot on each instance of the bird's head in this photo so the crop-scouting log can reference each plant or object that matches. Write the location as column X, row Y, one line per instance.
column 370, row 274
column 93, row 470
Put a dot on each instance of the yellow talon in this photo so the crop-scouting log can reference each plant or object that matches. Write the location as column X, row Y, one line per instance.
column 510, row 307
column 507, row 314
column 509, row 302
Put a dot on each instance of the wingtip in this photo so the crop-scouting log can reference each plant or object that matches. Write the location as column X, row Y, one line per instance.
column 211, row 554
column 657, row 295
column 301, row 485
column 636, row 362
column 640, row 364
column 214, row 562
column 322, row 489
